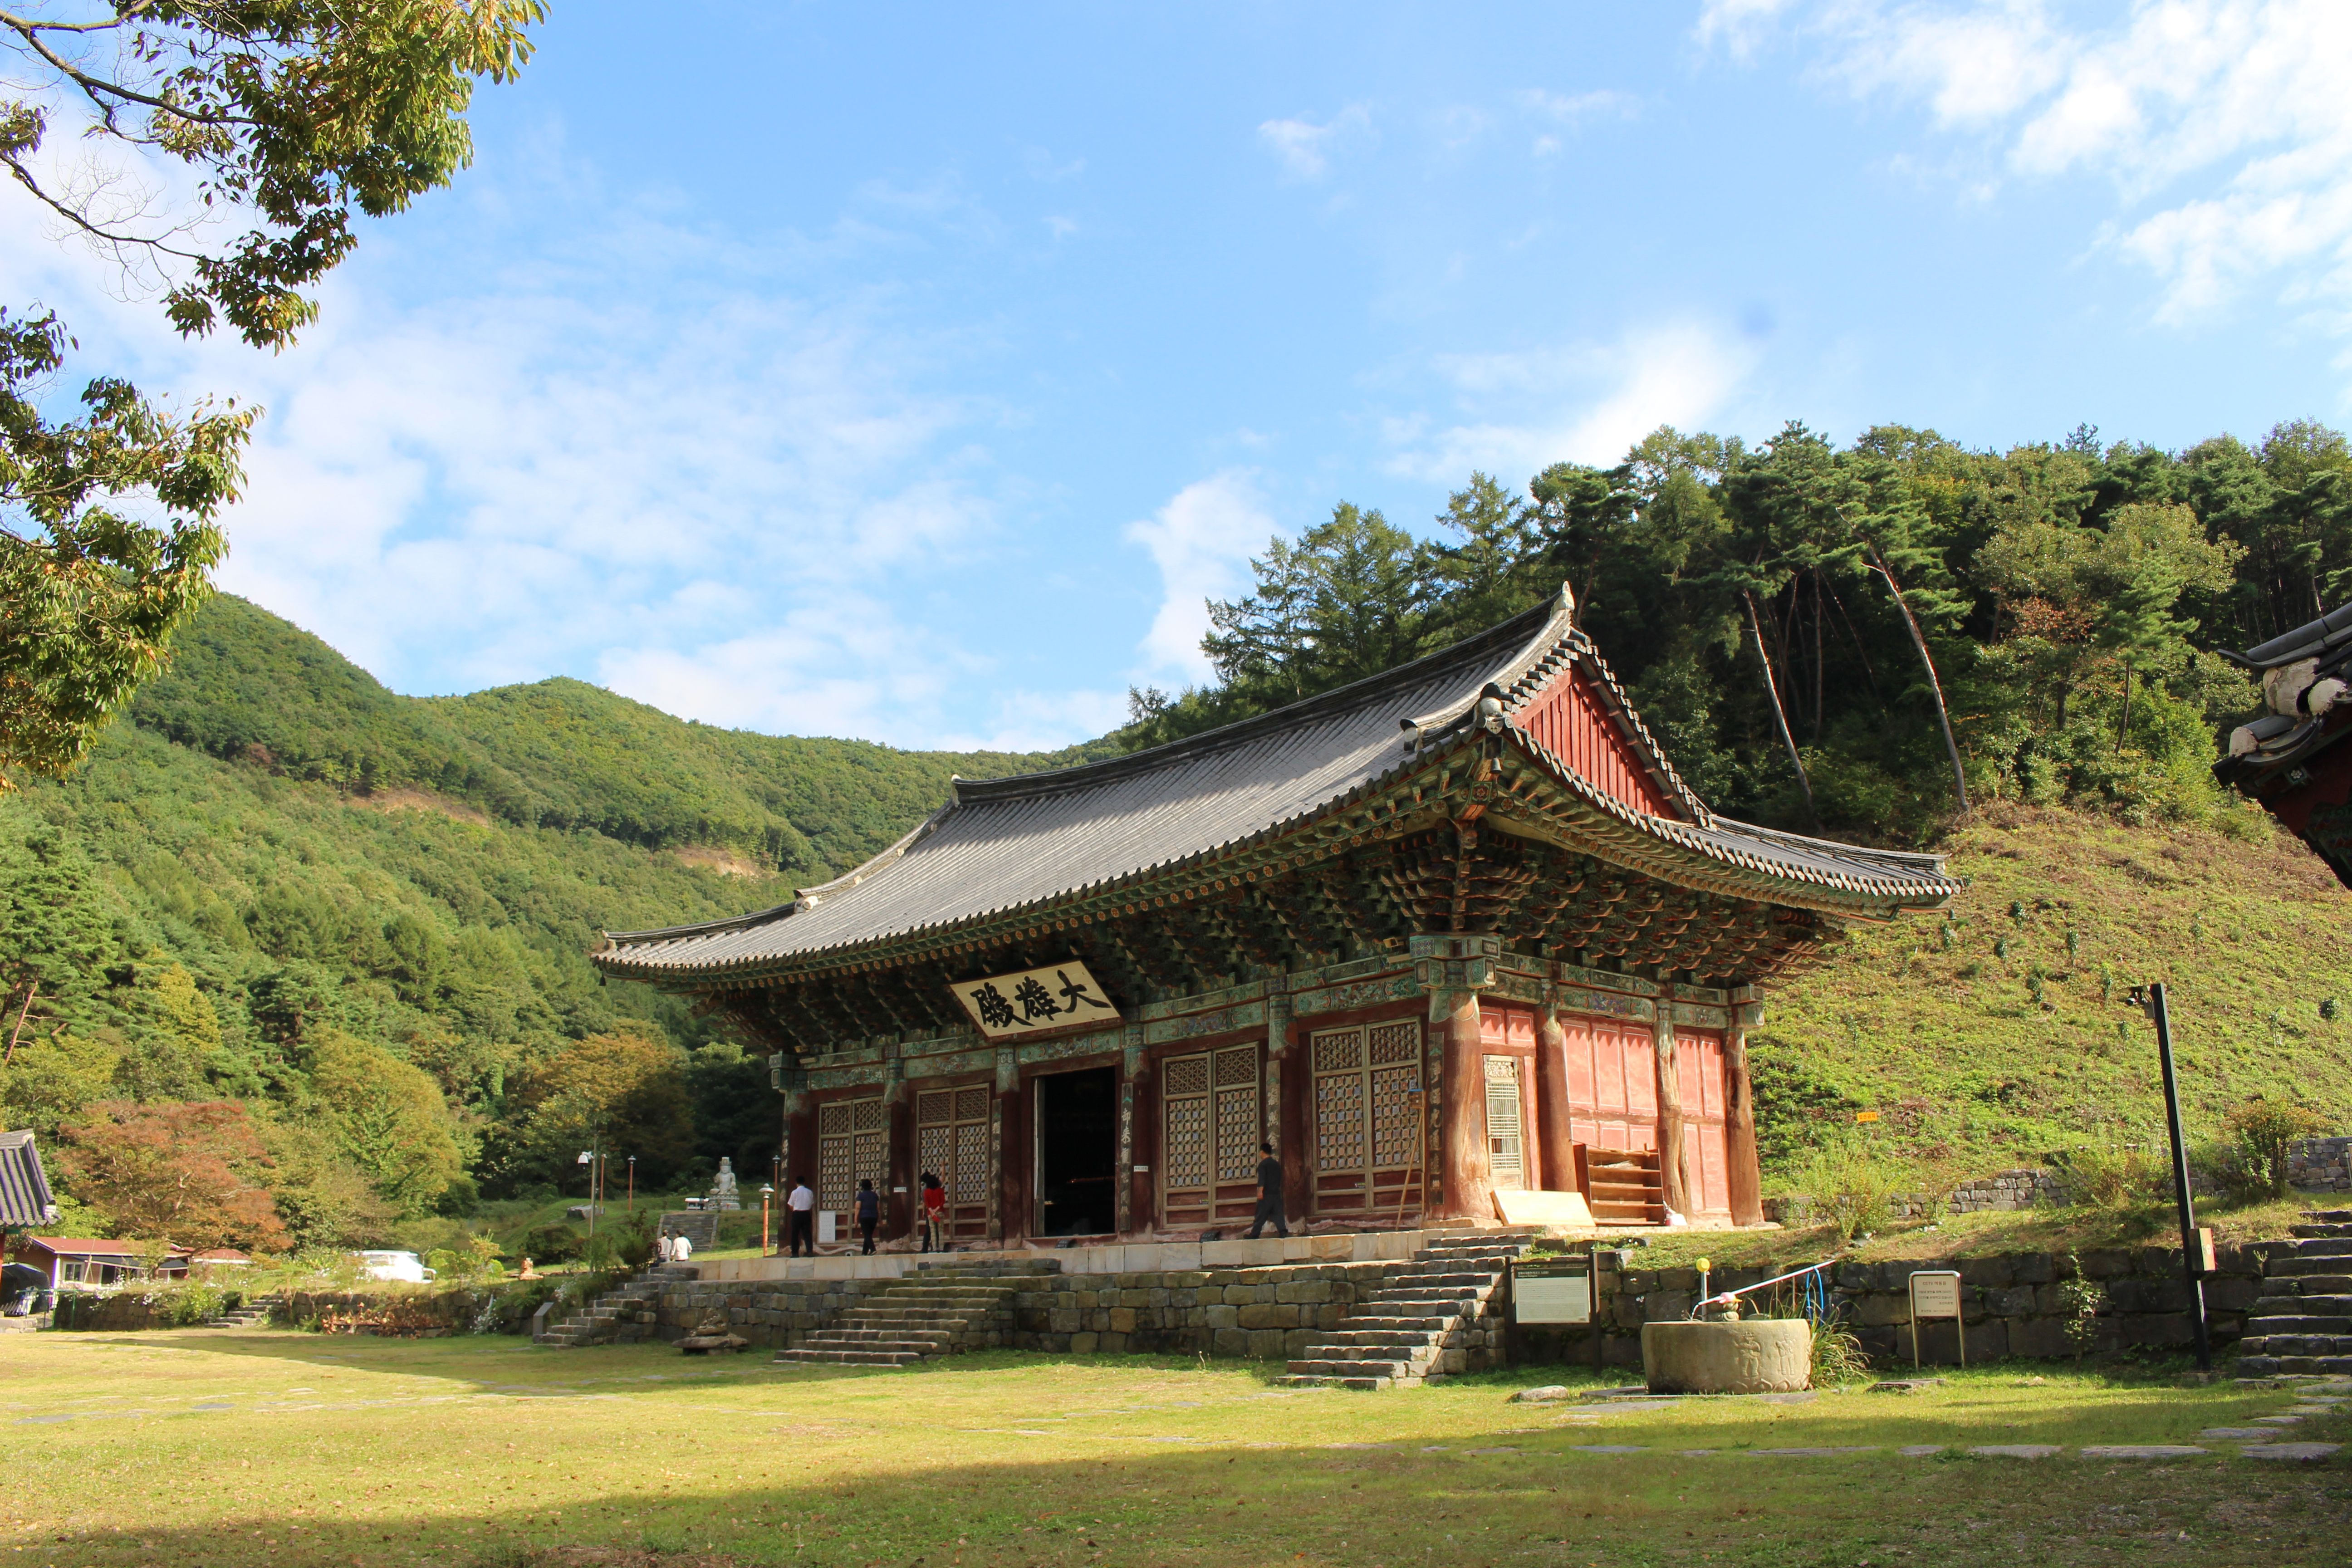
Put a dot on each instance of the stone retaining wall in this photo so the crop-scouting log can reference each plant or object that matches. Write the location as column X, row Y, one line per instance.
column 1266, row 1313
column 2009, row 1305
column 2320, row 1164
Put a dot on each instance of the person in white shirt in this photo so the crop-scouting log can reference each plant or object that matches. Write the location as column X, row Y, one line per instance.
column 680, row 1249
column 802, row 1205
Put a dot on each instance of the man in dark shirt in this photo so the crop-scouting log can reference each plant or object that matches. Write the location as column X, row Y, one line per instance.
column 1269, row 1193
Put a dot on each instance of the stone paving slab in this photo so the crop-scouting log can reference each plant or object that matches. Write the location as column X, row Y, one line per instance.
column 2306, row 1452
column 2278, row 1420
column 2236, row 1434
column 1606, row 1448
column 2143, row 1451
column 1810, row 1453
column 2017, row 1450
column 1921, row 1450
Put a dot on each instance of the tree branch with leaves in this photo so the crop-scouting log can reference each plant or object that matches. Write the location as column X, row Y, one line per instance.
column 291, row 117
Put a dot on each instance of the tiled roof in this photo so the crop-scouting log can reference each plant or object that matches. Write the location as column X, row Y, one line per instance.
column 23, row 1188
column 1006, row 844
column 81, row 1246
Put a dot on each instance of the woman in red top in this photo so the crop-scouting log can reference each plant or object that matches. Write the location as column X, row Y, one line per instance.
column 935, row 1213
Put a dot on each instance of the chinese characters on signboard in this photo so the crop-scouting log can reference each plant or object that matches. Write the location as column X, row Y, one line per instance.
column 1007, row 1007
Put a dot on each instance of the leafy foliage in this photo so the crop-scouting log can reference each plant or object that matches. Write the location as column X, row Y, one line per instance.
column 1862, row 637
column 191, row 1175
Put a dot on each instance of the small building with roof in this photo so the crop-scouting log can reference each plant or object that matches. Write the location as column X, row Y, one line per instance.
column 1447, row 938
column 79, row 1263
column 25, row 1197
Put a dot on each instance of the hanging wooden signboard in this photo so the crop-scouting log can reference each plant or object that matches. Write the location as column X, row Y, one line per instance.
column 1059, row 997
column 1935, row 1293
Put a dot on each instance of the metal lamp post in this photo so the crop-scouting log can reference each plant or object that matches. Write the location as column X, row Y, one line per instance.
column 765, row 1193
column 588, row 1158
column 633, row 1183
column 2150, row 999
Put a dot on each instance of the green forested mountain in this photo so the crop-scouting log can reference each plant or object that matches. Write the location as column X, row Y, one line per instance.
column 280, row 883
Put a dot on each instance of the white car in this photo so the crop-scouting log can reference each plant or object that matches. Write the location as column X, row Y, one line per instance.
column 401, row 1266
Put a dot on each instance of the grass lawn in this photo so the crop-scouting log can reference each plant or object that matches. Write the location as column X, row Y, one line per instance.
column 225, row 1447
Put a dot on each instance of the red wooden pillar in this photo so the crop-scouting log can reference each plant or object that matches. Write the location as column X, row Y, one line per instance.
column 1469, row 1174
column 1744, row 1174
column 1554, row 1139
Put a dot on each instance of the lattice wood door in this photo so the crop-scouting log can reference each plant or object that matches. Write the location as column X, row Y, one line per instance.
column 952, row 1142
column 1210, row 1113
column 1507, row 1139
column 853, row 1145
column 1367, row 1145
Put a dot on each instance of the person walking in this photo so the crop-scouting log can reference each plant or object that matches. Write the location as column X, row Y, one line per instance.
column 680, row 1249
column 868, row 1212
column 935, row 1213
column 1269, row 1193
column 661, row 1246
column 801, row 1206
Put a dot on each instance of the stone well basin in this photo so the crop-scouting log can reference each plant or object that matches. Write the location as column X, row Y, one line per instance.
column 1761, row 1355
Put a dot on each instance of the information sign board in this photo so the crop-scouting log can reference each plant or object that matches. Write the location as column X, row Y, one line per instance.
column 1552, row 1290
column 1935, row 1293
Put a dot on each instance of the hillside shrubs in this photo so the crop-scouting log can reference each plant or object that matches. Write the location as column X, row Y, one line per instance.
column 2258, row 1135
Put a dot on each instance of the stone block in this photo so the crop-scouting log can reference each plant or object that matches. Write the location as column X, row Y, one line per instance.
column 2033, row 1268
column 1295, row 1344
column 1063, row 1321
column 1267, row 1315
column 1330, row 1317
column 1879, row 1309
column 1266, row 1344
column 2016, row 1301
column 1240, row 1295
column 1685, row 1279
column 1315, row 1291
column 1220, row 1317
column 1111, row 1344
column 1667, row 1306
column 2232, row 1295
column 1082, row 1344
column 1122, row 1321
column 2158, row 1328
column 1157, row 1297
column 2104, row 1263
column 1990, row 1272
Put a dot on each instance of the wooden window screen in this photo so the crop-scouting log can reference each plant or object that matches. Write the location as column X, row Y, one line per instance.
column 1367, row 1145
column 1506, row 1131
column 952, row 1136
column 853, row 1145
column 1210, row 1113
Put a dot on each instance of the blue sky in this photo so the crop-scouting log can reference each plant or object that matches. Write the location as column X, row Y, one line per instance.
column 912, row 372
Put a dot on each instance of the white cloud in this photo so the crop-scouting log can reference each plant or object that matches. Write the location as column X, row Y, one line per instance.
column 1305, row 148
column 1736, row 23
column 639, row 455
column 2225, row 126
column 1578, row 403
column 1202, row 541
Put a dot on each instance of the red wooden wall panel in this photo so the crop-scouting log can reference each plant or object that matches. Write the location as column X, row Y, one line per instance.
column 1568, row 719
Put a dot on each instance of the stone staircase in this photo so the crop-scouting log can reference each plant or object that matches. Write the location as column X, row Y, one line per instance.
column 938, row 1309
column 624, row 1313
column 699, row 1227
column 2303, row 1323
column 1422, row 1312
column 252, row 1313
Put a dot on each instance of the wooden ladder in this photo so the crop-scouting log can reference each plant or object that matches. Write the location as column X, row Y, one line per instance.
column 1625, row 1186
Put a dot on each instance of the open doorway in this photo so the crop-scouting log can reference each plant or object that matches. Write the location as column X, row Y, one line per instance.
column 1077, row 1153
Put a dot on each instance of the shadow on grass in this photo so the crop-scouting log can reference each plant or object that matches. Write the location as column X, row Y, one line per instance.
column 1408, row 1500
